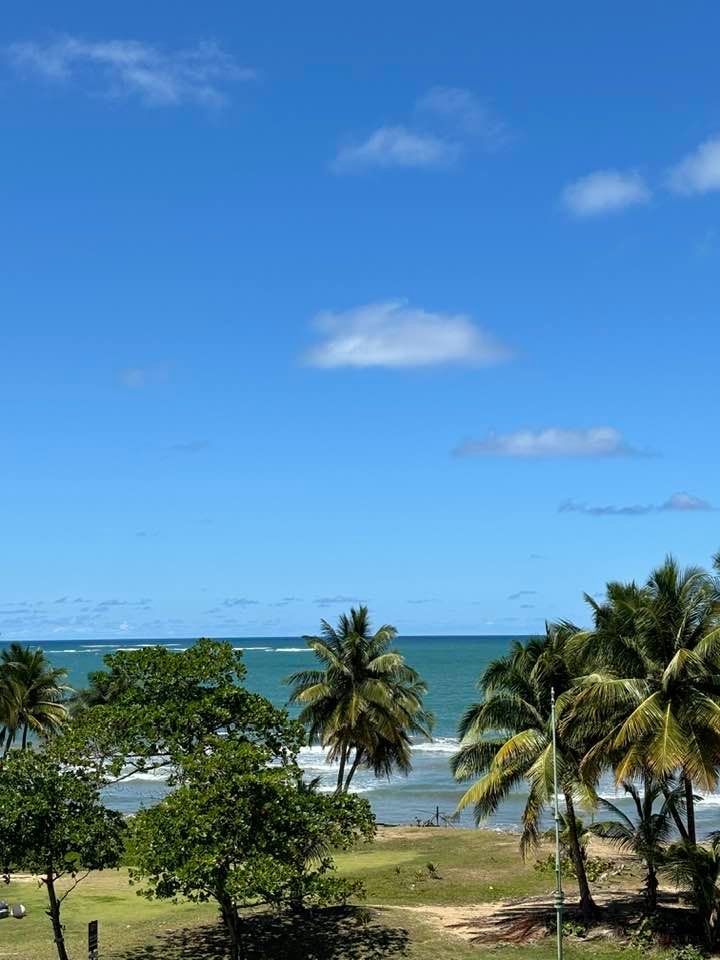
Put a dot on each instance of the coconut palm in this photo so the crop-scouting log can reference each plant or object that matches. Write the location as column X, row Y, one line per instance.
column 365, row 703
column 31, row 695
column 698, row 869
column 653, row 682
column 506, row 742
column 646, row 835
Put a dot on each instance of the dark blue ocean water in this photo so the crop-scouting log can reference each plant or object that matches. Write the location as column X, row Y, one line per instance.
column 450, row 667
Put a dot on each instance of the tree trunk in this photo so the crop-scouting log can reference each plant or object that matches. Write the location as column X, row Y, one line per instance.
column 233, row 925
column 587, row 904
column 341, row 771
column 353, row 768
column 676, row 816
column 651, row 888
column 54, row 914
column 690, row 811
column 24, row 737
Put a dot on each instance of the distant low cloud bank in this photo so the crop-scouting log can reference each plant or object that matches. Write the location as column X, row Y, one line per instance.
column 394, row 334
column 551, row 442
column 680, row 502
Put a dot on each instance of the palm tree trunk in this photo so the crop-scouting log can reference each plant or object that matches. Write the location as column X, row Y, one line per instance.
column 353, row 768
column 587, row 904
column 676, row 816
column 341, row 772
column 651, row 888
column 690, row 811
column 25, row 736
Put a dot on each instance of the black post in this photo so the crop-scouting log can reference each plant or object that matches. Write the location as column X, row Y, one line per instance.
column 93, row 940
column 437, row 816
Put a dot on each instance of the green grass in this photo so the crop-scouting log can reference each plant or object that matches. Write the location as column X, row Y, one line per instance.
column 473, row 867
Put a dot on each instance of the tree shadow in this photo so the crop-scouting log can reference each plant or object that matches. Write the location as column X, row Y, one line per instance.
column 533, row 918
column 344, row 933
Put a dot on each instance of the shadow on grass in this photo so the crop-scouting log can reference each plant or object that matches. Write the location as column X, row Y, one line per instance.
column 331, row 934
column 532, row 918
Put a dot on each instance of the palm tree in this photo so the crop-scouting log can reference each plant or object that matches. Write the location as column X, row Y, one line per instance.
column 644, row 836
column 31, row 695
column 365, row 703
column 506, row 742
column 698, row 868
column 655, row 688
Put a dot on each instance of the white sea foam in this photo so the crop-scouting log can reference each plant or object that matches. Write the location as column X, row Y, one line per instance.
column 438, row 745
column 264, row 649
column 293, row 650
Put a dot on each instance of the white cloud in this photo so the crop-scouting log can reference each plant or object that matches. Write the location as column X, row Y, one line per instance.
column 605, row 191
column 131, row 68
column 396, row 147
column 393, row 334
column 551, row 442
column 465, row 111
column 698, row 172
column 680, row 502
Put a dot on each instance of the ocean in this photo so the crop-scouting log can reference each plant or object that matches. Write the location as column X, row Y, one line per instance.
column 450, row 666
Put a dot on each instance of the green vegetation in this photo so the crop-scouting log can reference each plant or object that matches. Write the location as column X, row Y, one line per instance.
column 638, row 695
column 53, row 825
column 516, row 702
column 366, row 702
column 468, row 862
column 31, row 694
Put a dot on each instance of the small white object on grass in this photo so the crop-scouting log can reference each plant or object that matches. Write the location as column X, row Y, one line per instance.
column 19, row 911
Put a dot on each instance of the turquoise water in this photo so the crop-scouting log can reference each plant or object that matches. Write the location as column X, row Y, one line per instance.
column 449, row 665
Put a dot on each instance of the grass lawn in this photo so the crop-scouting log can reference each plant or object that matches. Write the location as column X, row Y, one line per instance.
column 407, row 916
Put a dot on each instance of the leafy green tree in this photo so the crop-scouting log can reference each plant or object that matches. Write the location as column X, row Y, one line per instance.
column 166, row 706
column 53, row 824
column 644, row 836
column 698, row 869
column 506, row 742
column 651, row 698
column 241, row 833
column 365, row 703
column 31, row 695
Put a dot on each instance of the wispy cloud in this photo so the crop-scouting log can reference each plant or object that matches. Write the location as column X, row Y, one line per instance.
column 393, row 334
column 551, row 442
column 239, row 602
column 191, row 446
column 466, row 113
column 605, row 191
column 522, row 593
column 396, row 147
column 680, row 502
column 135, row 378
column 331, row 601
column 131, row 68
column 446, row 121
column 699, row 171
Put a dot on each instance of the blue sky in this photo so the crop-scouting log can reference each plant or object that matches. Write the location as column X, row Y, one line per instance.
column 402, row 304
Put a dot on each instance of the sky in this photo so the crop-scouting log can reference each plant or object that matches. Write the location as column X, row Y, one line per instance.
column 302, row 306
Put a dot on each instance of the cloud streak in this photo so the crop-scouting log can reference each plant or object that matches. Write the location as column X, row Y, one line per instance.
column 394, row 334
column 605, row 191
column 398, row 146
column 549, row 443
column 464, row 112
column 130, row 68
column 680, row 502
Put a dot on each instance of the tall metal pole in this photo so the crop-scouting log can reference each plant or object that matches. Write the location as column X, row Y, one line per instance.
column 558, row 868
